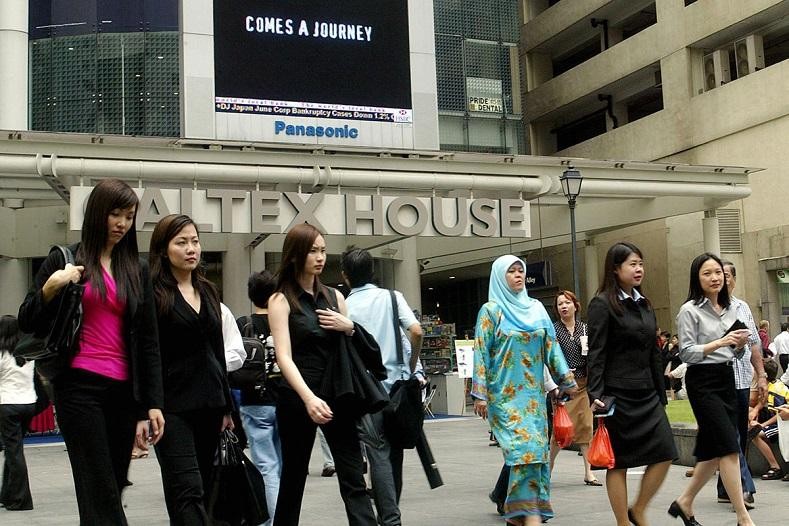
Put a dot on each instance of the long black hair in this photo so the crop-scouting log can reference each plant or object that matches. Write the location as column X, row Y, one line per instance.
column 165, row 286
column 616, row 255
column 9, row 333
column 106, row 196
column 695, row 292
column 297, row 245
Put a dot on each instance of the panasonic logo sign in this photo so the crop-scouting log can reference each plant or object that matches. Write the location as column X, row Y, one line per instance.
column 338, row 132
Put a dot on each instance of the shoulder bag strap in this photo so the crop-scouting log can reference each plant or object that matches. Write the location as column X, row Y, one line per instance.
column 68, row 257
column 249, row 327
column 396, row 323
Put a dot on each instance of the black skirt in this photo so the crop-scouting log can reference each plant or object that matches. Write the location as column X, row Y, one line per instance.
column 639, row 429
column 713, row 398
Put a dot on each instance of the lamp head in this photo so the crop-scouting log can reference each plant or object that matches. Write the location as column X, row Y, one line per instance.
column 571, row 181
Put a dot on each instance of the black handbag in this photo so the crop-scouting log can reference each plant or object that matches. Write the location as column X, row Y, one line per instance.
column 404, row 417
column 237, row 494
column 53, row 350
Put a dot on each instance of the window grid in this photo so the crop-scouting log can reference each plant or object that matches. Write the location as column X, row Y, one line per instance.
column 473, row 39
column 113, row 83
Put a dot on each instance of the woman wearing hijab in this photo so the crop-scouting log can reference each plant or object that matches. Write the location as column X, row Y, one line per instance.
column 514, row 339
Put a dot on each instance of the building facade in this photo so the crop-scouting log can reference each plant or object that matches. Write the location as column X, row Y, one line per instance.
column 686, row 81
column 91, row 89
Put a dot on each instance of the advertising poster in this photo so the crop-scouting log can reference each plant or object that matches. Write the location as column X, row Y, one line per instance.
column 464, row 353
column 302, row 59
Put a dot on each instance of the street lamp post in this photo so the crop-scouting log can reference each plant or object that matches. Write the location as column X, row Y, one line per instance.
column 571, row 181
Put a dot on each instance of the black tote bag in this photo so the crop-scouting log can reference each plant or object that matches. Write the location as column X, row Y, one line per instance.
column 53, row 350
column 404, row 417
column 237, row 492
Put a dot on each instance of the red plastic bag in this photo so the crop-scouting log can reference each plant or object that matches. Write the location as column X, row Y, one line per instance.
column 600, row 451
column 563, row 431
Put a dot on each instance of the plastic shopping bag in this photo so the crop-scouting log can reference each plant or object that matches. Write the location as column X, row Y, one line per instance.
column 563, row 431
column 601, row 453
column 783, row 437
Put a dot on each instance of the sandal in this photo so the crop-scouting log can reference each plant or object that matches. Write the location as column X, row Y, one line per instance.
column 593, row 482
column 773, row 474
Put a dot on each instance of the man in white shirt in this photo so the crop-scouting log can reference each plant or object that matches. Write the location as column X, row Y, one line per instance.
column 371, row 307
column 781, row 343
column 745, row 368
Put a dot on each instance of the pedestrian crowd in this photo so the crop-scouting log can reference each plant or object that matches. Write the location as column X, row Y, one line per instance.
column 159, row 361
column 622, row 369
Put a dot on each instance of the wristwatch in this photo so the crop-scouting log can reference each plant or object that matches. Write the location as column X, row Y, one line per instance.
column 763, row 375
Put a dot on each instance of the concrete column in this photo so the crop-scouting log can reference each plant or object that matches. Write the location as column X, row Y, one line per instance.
column 14, row 281
column 540, row 68
column 712, row 241
column 678, row 77
column 406, row 274
column 532, row 8
column 592, row 273
column 13, row 65
column 543, row 142
column 235, row 271
column 257, row 258
column 668, row 8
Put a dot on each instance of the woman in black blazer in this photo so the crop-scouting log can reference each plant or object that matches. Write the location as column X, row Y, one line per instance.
column 112, row 381
column 197, row 397
column 624, row 363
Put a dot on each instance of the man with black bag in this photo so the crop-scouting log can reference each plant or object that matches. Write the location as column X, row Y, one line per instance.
column 258, row 379
column 386, row 316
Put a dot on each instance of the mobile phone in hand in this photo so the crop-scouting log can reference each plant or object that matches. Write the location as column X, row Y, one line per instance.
column 609, row 403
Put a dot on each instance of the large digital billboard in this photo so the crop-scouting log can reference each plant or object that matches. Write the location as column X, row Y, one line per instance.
column 342, row 59
column 314, row 72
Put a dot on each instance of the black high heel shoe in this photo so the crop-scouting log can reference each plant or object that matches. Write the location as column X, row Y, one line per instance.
column 675, row 511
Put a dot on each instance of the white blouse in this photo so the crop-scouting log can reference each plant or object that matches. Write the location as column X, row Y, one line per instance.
column 16, row 383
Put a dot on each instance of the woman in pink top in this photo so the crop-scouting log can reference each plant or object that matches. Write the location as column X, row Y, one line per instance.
column 110, row 387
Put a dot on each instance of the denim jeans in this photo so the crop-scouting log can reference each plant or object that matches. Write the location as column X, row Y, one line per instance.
column 260, row 425
column 328, row 459
column 382, row 476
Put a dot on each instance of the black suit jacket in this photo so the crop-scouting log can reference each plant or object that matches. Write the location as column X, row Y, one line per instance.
column 140, row 330
column 623, row 350
column 193, row 357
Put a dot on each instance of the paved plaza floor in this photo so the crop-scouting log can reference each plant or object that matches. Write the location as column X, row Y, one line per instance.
column 468, row 466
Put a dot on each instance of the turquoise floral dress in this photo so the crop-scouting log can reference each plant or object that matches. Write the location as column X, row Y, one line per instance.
column 508, row 373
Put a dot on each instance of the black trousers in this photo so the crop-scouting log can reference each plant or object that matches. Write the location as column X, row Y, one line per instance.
column 186, row 457
column 96, row 417
column 783, row 359
column 297, row 435
column 499, row 493
column 15, row 491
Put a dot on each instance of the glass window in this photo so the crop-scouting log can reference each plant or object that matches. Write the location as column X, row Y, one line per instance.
column 475, row 64
column 104, row 66
column 449, row 73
